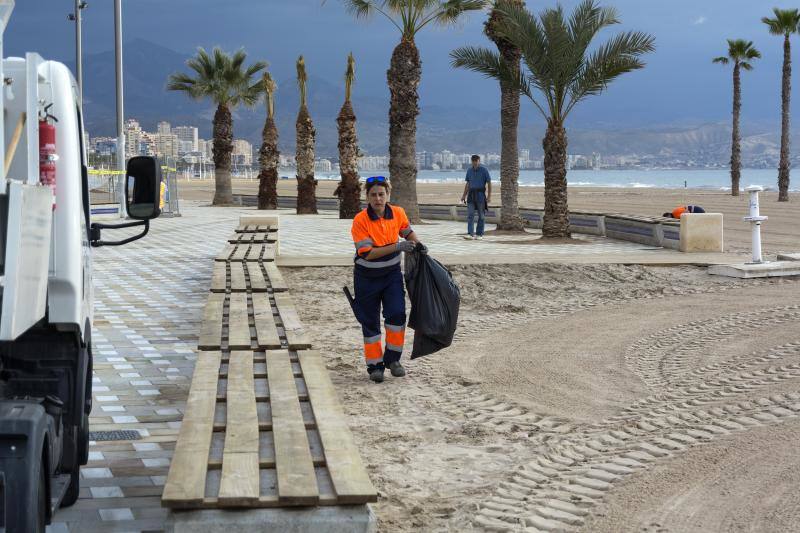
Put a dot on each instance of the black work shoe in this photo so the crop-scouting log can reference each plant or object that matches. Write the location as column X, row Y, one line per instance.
column 397, row 369
column 376, row 375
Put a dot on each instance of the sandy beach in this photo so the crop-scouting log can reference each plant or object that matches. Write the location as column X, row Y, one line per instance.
column 559, row 379
column 599, row 398
column 779, row 234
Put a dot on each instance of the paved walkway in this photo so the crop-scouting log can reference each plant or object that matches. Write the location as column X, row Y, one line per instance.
column 149, row 297
column 325, row 240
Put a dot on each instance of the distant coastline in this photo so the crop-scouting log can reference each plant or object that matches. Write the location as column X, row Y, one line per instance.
column 634, row 178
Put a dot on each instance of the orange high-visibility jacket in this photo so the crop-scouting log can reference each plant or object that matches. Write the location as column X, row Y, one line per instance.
column 369, row 230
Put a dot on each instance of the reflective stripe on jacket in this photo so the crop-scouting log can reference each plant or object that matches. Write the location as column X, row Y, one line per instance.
column 371, row 231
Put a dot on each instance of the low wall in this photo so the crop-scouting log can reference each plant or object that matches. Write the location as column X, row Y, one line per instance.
column 651, row 231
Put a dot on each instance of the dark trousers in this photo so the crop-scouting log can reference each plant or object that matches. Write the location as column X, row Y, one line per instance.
column 476, row 205
column 372, row 293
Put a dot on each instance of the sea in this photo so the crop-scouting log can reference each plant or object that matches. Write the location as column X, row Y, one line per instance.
column 640, row 178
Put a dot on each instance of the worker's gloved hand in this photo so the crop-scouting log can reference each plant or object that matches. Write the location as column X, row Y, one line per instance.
column 405, row 246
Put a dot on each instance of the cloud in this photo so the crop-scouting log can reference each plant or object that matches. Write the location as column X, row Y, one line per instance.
column 698, row 21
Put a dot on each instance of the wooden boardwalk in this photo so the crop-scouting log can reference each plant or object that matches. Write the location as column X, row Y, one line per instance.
column 263, row 426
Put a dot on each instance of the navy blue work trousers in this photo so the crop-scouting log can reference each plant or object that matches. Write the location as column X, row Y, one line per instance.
column 372, row 293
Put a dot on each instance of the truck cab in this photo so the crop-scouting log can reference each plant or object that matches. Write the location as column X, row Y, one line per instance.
column 46, row 294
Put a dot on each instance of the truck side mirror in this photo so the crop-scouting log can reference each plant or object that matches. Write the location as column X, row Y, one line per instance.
column 143, row 188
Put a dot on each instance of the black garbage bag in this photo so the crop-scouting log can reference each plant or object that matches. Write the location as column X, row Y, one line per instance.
column 435, row 299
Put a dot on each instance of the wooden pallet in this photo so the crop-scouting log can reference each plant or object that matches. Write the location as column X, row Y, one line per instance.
column 255, row 228
column 264, row 430
column 251, row 320
column 263, row 426
column 257, row 276
column 252, row 238
column 247, row 252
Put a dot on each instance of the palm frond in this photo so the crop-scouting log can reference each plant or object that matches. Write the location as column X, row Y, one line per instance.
column 451, row 10
column 785, row 22
column 219, row 76
column 555, row 52
column 491, row 65
column 618, row 56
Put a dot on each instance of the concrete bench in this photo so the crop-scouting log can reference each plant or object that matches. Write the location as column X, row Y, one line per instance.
column 701, row 232
column 263, row 426
column 644, row 230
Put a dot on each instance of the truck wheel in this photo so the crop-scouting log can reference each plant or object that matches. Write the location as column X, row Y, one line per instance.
column 71, row 496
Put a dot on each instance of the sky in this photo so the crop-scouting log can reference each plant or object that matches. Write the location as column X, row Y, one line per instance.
column 679, row 85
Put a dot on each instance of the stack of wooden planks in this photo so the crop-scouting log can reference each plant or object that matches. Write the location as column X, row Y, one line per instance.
column 263, row 426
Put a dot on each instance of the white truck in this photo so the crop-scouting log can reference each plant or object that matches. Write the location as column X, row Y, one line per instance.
column 46, row 285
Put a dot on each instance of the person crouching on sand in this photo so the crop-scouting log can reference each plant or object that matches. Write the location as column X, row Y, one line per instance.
column 681, row 209
column 377, row 277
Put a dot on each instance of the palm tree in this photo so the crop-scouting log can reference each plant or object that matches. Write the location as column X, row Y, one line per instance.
column 785, row 23
column 304, row 154
column 349, row 189
column 227, row 82
column 509, row 120
column 268, row 155
column 742, row 53
column 562, row 70
column 403, row 78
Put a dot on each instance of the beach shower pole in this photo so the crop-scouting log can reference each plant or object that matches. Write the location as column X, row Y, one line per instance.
column 755, row 220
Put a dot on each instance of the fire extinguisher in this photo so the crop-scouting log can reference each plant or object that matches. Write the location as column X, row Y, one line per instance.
column 47, row 151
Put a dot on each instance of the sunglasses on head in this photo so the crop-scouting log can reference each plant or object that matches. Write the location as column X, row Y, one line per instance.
column 376, row 179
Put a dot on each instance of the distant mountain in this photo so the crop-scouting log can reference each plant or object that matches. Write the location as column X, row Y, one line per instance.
column 148, row 65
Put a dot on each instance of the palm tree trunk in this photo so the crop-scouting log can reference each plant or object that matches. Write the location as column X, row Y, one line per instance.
column 349, row 190
column 223, row 146
column 556, row 212
column 736, row 140
column 786, row 91
column 268, row 158
column 403, row 79
column 306, row 184
column 509, row 122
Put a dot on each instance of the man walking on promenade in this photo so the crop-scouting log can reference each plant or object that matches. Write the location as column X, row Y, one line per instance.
column 476, row 197
column 378, row 281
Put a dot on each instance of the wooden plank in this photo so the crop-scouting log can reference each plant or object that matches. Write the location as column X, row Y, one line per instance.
column 297, row 481
column 239, row 484
column 350, row 480
column 225, row 254
column 219, row 277
column 240, row 252
column 237, row 277
column 257, row 281
column 275, row 277
column 266, row 330
column 211, row 326
column 255, row 253
column 269, row 253
column 295, row 333
column 238, row 322
column 186, row 480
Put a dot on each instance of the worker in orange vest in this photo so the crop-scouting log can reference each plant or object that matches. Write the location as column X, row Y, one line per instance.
column 681, row 209
column 377, row 277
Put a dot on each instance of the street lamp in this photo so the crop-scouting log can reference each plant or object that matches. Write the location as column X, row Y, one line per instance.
column 120, row 110
column 76, row 17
